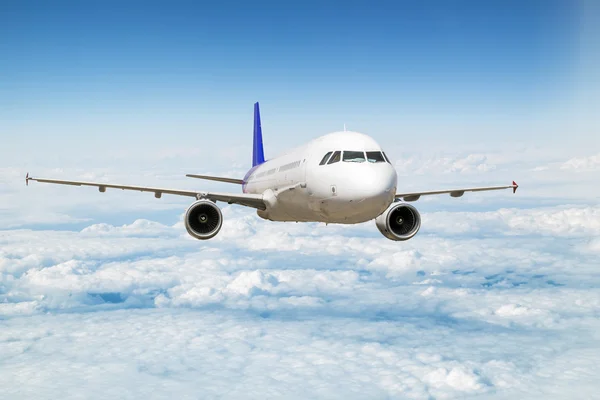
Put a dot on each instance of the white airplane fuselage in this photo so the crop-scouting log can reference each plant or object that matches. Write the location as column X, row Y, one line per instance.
column 297, row 188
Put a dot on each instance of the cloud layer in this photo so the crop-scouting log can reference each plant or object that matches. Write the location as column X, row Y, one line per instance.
column 496, row 297
column 499, row 304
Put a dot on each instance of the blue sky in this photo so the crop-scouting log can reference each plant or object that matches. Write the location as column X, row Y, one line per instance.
column 154, row 69
column 106, row 294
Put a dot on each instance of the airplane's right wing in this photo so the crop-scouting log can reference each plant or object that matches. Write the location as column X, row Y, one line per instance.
column 244, row 199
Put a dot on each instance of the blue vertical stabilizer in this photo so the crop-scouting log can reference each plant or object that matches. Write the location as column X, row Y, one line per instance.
column 258, row 154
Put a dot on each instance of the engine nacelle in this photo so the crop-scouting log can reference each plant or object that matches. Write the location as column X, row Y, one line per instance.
column 203, row 219
column 400, row 221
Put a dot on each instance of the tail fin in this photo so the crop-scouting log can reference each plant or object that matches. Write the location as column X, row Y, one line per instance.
column 258, row 154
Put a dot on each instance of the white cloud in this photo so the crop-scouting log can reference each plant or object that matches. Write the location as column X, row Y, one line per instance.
column 575, row 164
column 479, row 303
column 555, row 221
column 590, row 163
column 469, row 164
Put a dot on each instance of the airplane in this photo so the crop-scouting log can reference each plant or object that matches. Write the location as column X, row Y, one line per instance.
column 342, row 177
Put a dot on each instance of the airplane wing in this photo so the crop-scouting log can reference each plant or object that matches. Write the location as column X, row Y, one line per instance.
column 216, row 178
column 414, row 196
column 244, row 199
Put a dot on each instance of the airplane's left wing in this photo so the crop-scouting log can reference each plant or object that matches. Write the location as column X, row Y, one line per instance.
column 414, row 196
column 244, row 199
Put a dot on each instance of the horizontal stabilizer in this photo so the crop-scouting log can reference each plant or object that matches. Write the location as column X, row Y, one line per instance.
column 216, row 178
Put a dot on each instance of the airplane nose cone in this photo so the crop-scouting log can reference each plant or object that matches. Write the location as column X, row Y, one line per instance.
column 374, row 183
column 362, row 193
column 378, row 182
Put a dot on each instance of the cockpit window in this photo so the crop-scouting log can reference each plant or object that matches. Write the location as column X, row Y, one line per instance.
column 354, row 156
column 386, row 157
column 375, row 156
column 335, row 157
column 325, row 158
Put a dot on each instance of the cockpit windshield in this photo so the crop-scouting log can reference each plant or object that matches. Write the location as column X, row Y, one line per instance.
column 353, row 156
column 375, row 157
column 386, row 157
column 325, row 158
column 335, row 157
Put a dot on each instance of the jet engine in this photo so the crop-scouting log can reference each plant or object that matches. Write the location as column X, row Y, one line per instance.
column 400, row 221
column 203, row 219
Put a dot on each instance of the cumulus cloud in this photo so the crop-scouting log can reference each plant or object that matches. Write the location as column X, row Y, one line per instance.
column 555, row 221
column 469, row 164
column 590, row 163
column 479, row 303
column 575, row 164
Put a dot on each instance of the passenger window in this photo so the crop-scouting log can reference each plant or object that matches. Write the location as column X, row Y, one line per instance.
column 375, row 156
column 335, row 157
column 386, row 157
column 354, row 156
column 324, row 160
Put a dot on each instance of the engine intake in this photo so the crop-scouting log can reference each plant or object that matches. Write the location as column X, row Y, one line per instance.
column 399, row 222
column 203, row 219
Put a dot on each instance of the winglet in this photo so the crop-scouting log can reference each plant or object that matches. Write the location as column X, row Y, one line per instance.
column 258, row 155
column 27, row 179
column 515, row 186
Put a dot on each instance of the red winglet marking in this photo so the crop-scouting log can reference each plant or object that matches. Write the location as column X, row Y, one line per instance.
column 515, row 186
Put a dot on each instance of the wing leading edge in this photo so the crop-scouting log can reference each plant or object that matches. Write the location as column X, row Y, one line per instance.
column 414, row 196
column 244, row 199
